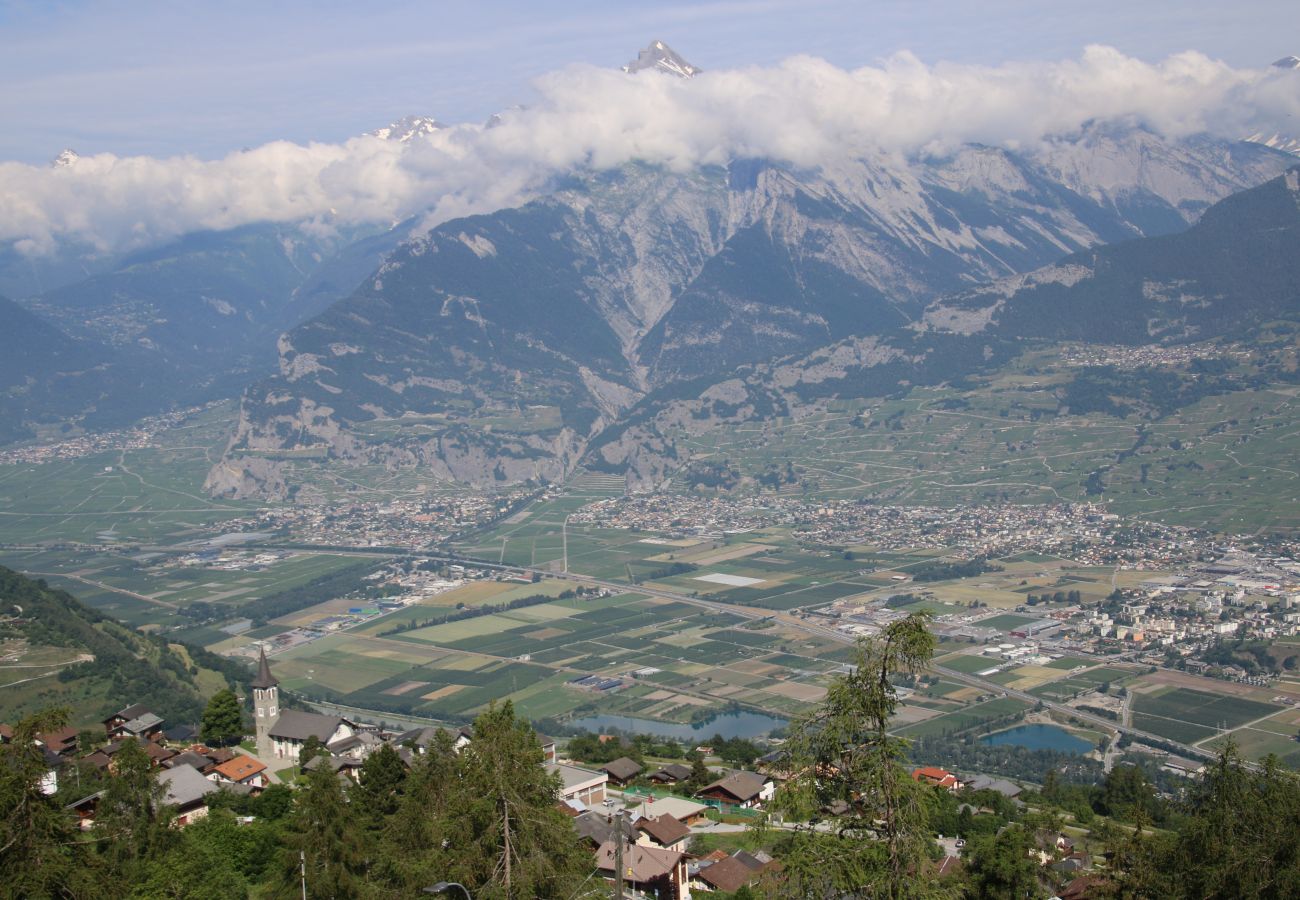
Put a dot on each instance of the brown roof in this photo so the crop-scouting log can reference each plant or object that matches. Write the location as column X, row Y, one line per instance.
column 640, row 864
column 239, row 768
column 1084, row 887
column 622, row 768
column 664, row 830
column 58, row 739
column 744, row 786
column 728, row 874
column 6, row 732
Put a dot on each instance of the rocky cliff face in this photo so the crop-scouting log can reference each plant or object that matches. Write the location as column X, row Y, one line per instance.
column 505, row 347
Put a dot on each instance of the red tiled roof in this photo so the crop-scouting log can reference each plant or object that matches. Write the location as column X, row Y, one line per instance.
column 664, row 830
column 239, row 768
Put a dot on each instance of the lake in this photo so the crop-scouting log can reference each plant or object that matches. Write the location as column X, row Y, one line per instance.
column 729, row 725
column 1041, row 737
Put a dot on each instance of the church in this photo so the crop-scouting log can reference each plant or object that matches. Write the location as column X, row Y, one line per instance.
column 282, row 733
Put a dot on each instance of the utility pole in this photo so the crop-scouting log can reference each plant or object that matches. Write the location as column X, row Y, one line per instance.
column 302, row 862
column 506, row 807
column 618, row 855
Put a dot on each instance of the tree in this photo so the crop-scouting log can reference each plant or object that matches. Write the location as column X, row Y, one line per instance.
column 842, row 758
column 511, row 840
column 132, row 821
column 324, row 840
column 311, row 748
column 700, row 774
column 1004, row 865
column 223, row 721
column 382, row 776
column 40, row 855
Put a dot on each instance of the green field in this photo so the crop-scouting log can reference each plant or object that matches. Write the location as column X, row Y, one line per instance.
column 1187, row 715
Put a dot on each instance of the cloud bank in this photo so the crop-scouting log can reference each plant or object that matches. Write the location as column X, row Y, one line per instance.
column 805, row 112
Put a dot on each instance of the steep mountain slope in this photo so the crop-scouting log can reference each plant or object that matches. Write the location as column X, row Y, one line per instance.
column 117, row 667
column 623, row 284
column 1235, row 269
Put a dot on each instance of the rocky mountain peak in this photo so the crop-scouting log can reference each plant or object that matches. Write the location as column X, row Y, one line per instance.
column 67, row 157
column 407, row 129
column 659, row 57
column 1288, row 62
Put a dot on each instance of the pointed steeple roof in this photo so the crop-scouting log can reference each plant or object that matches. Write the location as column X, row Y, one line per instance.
column 264, row 677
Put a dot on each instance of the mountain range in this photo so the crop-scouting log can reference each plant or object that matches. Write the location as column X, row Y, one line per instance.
column 519, row 344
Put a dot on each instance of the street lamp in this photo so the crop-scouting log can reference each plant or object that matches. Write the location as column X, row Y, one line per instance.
column 443, row 886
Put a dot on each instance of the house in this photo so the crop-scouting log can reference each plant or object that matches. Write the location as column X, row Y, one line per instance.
column 671, row 774
column 688, row 812
column 137, row 720
column 240, row 770
column 345, row 767
column 654, row 872
column 579, row 784
column 664, row 832
column 62, row 742
column 194, row 758
column 1001, row 785
column 293, row 727
column 746, row 790
column 187, row 790
column 85, row 810
column 622, row 770
column 356, row 746
column 935, row 777
column 596, row 828
column 1086, row 887
column 727, row 874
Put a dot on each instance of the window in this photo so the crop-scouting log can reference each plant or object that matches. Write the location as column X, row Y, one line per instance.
column 271, row 711
column 259, row 712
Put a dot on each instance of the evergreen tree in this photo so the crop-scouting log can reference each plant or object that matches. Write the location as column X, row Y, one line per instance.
column 40, row 855
column 382, row 776
column 509, row 839
column 223, row 721
column 323, row 840
column 311, row 748
column 842, row 758
column 1005, row 865
column 132, row 821
column 700, row 774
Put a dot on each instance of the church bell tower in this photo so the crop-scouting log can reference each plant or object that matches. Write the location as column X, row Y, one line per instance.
column 266, row 704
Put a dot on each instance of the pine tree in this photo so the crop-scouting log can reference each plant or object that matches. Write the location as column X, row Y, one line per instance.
column 323, row 839
column 511, row 840
column 40, row 855
column 382, row 776
column 842, row 757
column 132, row 821
column 223, row 721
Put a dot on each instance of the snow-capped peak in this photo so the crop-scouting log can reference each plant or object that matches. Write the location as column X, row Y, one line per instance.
column 67, row 157
column 1288, row 62
column 407, row 129
column 661, row 58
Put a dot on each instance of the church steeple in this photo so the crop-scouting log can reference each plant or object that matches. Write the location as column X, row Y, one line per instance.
column 266, row 706
column 264, row 678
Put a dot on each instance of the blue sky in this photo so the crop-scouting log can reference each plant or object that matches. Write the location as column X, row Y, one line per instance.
column 155, row 78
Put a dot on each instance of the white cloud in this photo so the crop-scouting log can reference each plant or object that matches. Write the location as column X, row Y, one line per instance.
column 804, row 111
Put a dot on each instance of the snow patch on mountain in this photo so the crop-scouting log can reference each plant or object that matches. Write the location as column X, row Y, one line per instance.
column 659, row 57
column 407, row 129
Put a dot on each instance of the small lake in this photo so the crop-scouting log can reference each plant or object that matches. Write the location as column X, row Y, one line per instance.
column 1040, row 737
column 729, row 725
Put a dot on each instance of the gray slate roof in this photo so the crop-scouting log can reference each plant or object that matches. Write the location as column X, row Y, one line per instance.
column 185, row 786
column 295, row 725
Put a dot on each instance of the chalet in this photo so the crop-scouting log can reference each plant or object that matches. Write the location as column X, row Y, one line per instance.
column 935, row 777
column 664, row 832
column 135, row 721
column 292, row 728
column 345, row 767
column 240, row 770
column 622, row 770
column 727, row 874
column 62, row 742
column 656, row 873
column 579, row 784
column 687, row 812
column 745, row 790
column 187, row 790
column 200, row 761
column 356, row 746
column 671, row 774
column 596, row 828
column 85, row 810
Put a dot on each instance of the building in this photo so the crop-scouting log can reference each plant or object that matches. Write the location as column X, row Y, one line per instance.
column 664, row 832
column 136, row 721
column 187, row 790
column 240, row 770
column 622, row 770
column 671, row 774
column 936, row 777
column 744, row 790
column 654, row 872
column 282, row 733
column 578, row 784
column 687, row 812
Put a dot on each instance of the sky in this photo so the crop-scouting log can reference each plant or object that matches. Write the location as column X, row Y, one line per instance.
column 163, row 79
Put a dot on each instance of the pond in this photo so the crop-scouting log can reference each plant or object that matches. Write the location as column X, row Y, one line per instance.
column 1041, row 737
column 729, row 725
